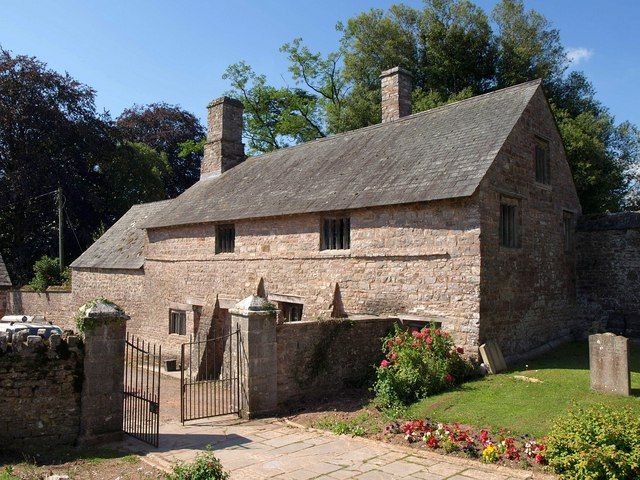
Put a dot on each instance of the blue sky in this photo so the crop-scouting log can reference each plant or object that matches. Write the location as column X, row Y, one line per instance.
column 176, row 51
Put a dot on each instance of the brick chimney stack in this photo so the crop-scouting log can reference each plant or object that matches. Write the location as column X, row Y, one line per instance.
column 396, row 93
column 224, row 148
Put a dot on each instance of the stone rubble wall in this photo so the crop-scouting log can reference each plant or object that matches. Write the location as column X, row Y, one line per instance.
column 528, row 294
column 608, row 264
column 57, row 307
column 318, row 359
column 419, row 259
column 40, row 388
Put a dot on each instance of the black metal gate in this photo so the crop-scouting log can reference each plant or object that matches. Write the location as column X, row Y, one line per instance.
column 141, row 416
column 211, row 378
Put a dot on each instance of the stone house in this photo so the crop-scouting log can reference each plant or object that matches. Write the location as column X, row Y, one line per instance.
column 463, row 214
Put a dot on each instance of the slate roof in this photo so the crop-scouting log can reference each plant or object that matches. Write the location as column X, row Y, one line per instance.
column 121, row 247
column 5, row 281
column 437, row 154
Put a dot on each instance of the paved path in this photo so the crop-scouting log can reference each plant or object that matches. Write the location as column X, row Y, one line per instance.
column 261, row 449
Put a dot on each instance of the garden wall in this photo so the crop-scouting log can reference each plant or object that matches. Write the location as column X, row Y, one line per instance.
column 319, row 358
column 57, row 307
column 39, row 393
column 608, row 272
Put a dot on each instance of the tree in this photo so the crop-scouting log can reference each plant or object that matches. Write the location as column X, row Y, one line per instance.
column 165, row 128
column 50, row 136
column 133, row 174
column 453, row 52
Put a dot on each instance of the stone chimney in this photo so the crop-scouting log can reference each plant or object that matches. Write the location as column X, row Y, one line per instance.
column 224, row 148
column 396, row 93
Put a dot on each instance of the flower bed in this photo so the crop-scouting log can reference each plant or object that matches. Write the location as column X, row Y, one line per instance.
column 455, row 438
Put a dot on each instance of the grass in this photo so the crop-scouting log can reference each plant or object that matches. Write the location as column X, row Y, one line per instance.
column 357, row 426
column 502, row 402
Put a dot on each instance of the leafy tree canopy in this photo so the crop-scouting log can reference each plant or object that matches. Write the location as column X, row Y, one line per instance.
column 454, row 50
column 51, row 136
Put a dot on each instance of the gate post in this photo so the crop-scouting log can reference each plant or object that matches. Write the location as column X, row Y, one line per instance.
column 104, row 328
column 257, row 356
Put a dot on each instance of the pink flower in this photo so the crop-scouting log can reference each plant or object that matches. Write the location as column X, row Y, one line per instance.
column 394, row 356
column 429, row 340
column 384, row 363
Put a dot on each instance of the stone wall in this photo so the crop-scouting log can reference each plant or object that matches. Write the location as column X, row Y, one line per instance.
column 123, row 287
column 420, row 259
column 316, row 359
column 528, row 294
column 57, row 307
column 40, row 387
column 608, row 264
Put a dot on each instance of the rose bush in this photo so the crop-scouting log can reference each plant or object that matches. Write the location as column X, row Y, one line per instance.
column 418, row 364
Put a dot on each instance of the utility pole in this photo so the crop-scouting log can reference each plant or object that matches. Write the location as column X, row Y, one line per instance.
column 60, row 231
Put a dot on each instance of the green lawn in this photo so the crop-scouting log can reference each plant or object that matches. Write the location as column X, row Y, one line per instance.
column 500, row 401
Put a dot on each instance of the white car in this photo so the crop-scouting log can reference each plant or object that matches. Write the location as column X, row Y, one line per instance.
column 35, row 324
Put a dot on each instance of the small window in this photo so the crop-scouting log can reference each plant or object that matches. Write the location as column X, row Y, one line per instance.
column 567, row 221
column 178, row 322
column 509, row 225
column 336, row 234
column 291, row 312
column 225, row 238
column 543, row 162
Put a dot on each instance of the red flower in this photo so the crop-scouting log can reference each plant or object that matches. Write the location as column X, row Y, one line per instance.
column 449, row 378
column 429, row 340
column 394, row 356
column 384, row 363
column 432, row 442
column 539, row 458
column 460, row 350
column 484, row 436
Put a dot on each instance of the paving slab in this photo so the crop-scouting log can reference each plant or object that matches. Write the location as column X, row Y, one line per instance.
column 270, row 449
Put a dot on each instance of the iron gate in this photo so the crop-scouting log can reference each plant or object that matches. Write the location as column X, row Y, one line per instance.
column 141, row 415
column 211, row 378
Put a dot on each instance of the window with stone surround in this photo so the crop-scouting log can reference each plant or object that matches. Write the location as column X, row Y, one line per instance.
column 543, row 161
column 336, row 233
column 567, row 223
column 178, row 322
column 509, row 223
column 291, row 312
column 225, row 238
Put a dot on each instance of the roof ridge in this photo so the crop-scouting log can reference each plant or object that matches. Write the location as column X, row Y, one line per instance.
column 396, row 121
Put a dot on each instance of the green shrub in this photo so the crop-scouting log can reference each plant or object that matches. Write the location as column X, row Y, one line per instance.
column 46, row 273
column 205, row 467
column 595, row 443
column 418, row 364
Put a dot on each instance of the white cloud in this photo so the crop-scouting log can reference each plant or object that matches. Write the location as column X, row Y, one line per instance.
column 579, row 54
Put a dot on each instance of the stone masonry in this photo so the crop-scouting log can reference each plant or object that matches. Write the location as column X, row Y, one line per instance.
column 40, row 390
column 528, row 294
column 396, row 93
column 224, row 148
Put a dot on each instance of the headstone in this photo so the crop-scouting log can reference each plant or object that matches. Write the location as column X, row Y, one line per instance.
column 492, row 357
column 609, row 363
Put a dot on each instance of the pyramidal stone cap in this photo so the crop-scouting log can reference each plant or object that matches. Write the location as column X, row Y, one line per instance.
column 252, row 303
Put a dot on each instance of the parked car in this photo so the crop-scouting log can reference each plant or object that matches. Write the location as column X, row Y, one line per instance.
column 35, row 324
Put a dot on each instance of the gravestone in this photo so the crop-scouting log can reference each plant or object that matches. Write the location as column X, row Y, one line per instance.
column 609, row 363
column 492, row 357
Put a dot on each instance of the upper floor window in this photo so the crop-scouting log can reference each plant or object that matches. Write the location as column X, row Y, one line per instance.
column 336, row 233
column 509, row 223
column 225, row 238
column 567, row 222
column 178, row 322
column 543, row 161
